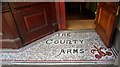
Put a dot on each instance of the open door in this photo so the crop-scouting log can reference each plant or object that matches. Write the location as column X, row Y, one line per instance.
column 105, row 21
column 34, row 20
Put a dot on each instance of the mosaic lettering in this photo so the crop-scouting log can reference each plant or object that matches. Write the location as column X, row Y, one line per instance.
column 64, row 34
column 71, row 51
column 52, row 41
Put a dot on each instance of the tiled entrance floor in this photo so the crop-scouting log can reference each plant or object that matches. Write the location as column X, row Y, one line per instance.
column 81, row 46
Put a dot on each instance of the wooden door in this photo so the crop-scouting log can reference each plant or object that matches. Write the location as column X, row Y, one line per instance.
column 34, row 20
column 9, row 33
column 105, row 21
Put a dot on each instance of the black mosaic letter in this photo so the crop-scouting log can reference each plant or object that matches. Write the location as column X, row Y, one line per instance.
column 56, row 42
column 81, row 41
column 62, row 51
column 68, row 42
column 62, row 41
column 68, row 50
column 75, row 41
column 75, row 50
column 49, row 41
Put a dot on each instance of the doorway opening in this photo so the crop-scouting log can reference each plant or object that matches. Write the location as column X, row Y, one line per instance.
column 80, row 15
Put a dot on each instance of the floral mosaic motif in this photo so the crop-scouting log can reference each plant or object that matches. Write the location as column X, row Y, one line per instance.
column 100, row 52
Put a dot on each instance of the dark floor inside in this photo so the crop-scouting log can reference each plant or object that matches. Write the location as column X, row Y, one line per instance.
column 78, row 11
column 80, row 15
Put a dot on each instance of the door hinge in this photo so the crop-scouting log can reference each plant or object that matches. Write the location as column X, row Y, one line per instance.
column 117, row 10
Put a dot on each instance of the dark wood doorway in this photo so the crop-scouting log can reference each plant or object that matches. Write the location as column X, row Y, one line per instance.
column 105, row 20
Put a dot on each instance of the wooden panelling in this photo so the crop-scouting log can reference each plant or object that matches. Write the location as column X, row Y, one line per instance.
column 105, row 22
column 10, row 36
column 24, row 22
column 18, row 5
column 39, row 18
column 103, row 19
column 34, row 21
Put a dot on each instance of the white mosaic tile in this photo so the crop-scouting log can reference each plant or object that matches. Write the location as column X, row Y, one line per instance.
column 65, row 46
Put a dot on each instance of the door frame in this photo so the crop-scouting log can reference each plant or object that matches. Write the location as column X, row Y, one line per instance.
column 61, row 15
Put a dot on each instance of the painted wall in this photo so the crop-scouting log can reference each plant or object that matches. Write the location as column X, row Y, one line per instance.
column 116, row 36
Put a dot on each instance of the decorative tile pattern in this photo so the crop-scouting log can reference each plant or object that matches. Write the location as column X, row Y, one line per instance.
column 63, row 46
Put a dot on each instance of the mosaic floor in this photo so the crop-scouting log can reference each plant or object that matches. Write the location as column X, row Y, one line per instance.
column 63, row 46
